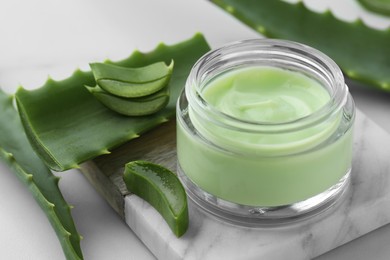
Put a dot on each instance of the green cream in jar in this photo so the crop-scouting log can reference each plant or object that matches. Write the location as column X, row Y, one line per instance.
column 265, row 131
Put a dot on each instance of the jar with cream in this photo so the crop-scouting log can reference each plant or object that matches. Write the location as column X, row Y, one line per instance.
column 264, row 132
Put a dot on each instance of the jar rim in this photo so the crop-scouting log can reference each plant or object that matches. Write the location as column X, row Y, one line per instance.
column 303, row 55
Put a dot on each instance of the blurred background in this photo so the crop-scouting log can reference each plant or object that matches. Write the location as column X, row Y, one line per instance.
column 52, row 37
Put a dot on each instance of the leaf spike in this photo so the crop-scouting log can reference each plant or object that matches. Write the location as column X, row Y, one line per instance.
column 170, row 66
column 11, row 98
column 71, row 207
column 9, row 156
column 359, row 22
column 230, row 9
column 51, row 205
column 300, row 4
column 78, row 71
column 67, row 233
column 197, row 35
column 107, row 61
column 81, row 237
column 350, row 73
column 8, row 101
column 327, row 12
column 163, row 119
column 50, row 80
column 261, row 29
column 162, row 44
column 104, row 151
column 29, row 177
column 136, row 52
column 132, row 136
column 20, row 88
column 385, row 85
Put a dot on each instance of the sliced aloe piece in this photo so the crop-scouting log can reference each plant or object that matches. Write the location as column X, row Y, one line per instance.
column 132, row 82
column 362, row 52
column 66, row 125
column 17, row 153
column 162, row 189
column 141, row 106
column 377, row 6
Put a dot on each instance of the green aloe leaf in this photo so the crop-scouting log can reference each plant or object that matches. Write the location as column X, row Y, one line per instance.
column 17, row 153
column 140, row 106
column 162, row 189
column 361, row 52
column 132, row 82
column 377, row 6
column 67, row 125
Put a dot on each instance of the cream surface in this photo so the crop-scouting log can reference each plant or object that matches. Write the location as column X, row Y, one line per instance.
column 264, row 169
column 265, row 94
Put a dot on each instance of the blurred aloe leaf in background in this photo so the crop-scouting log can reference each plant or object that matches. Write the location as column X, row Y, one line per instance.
column 377, row 6
column 361, row 52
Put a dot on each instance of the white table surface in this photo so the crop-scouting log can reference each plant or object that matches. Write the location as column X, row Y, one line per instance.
column 53, row 37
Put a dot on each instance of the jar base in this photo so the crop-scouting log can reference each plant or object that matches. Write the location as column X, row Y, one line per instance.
column 257, row 216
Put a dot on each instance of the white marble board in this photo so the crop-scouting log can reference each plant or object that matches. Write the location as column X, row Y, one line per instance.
column 365, row 207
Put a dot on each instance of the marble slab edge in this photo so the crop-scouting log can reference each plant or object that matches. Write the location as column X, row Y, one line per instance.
column 366, row 205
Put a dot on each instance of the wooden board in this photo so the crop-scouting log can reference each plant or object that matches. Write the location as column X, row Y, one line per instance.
column 105, row 172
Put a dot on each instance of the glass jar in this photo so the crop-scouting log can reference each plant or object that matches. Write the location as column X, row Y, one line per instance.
column 252, row 172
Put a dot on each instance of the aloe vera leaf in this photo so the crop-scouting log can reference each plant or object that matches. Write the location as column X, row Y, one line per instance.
column 132, row 82
column 17, row 153
column 377, row 6
column 140, row 106
column 362, row 53
column 162, row 189
column 66, row 125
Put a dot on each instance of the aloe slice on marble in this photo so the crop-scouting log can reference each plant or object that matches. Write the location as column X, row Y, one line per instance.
column 132, row 82
column 362, row 53
column 141, row 106
column 377, row 6
column 67, row 125
column 162, row 189
column 17, row 153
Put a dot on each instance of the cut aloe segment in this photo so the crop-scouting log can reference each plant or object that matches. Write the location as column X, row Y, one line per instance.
column 132, row 82
column 162, row 189
column 141, row 106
